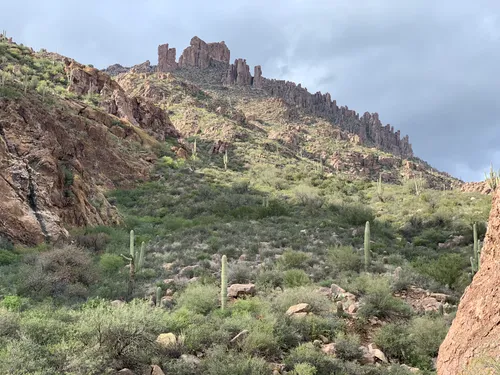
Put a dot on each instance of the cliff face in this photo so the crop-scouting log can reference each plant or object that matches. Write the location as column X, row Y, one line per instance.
column 474, row 337
column 368, row 127
column 58, row 156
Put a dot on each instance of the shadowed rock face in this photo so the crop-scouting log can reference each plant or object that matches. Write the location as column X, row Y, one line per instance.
column 474, row 337
column 199, row 54
column 56, row 160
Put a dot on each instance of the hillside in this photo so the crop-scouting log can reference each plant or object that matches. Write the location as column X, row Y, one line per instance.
column 200, row 160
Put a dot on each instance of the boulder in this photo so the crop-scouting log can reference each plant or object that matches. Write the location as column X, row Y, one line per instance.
column 124, row 371
column 156, row 370
column 301, row 308
column 166, row 339
column 240, row 290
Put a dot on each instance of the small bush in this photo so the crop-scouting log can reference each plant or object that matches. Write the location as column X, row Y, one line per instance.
column 380, row 302
column 347, row 347
column 221, row 362
column 344, row 258
column 110, row 263
column 295, row 278
column 294, row 259
column 308, row 354
column 304, row 369
column 199, row 298
column 320, row 305
column 270, row 279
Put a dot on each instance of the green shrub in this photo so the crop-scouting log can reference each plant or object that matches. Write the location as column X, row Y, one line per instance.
column 380, row 302
column 428, row 334
column 344, row 258
column 7, row 257
column 110, row 263
column 395, row 341
column 347, row 347
column 294, row 259
column 199, row 298
column 320, row 305
column 221, row 362
column 312, row 327
column 269, row 279
column 447, row 269
column 12, row 303
column 304, row 369
column 261, row 341
column 294, row 278
column 308, row 354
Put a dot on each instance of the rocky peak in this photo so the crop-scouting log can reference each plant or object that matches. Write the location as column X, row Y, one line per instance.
column 166, row 58
column 238, row 73
column 474, row 336
column 199, row 54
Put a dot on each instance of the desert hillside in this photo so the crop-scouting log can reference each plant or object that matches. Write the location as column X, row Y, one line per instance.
column 190, row 217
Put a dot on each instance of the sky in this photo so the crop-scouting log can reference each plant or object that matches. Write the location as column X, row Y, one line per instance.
column 430, row 68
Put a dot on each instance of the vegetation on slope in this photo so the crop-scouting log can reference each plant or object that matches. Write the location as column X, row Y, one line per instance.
column 285, row 223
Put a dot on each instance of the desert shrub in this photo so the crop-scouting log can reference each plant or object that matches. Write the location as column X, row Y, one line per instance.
column 319, row 304
column 294, row 278
column 219, row 361
column 347, row 347
column 304, row 369
column 204, row 334
column 199, row 298
column 9, row 324
column 64, row 272
column 355, row 214
column 308, row 196
column 395, row 341
column 93, row 241
column 428, row 334
column 261, row 341
column 311, row 327
column 240, row 273
column 12, row 303
column 269, row 279
column 7, row 257
column 380, row 302
column 294, row 259
column 344, row 258
column 45, row 325
column 111, row 263
column 307, row 353
column 124, row 336
column 447, row 269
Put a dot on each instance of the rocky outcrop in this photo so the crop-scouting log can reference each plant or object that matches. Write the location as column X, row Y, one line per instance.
column 137, row 110
column 476, row 187
column 474, row 336
column 200, row 54
column 166, row 58
column 238, row 73
column 258, row 80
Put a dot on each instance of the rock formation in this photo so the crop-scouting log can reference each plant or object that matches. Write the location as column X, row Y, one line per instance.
column 200, row 54
column 239, row 74
column 258, row 81
column 474, row 337
column 166, row 58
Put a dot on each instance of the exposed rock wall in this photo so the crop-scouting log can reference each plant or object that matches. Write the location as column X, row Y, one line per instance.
column 166, row 58
column 239, row 74
column 474, row 337
column 199, row 54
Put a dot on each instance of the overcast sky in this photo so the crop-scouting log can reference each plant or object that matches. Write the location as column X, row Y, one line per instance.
column 430, row 68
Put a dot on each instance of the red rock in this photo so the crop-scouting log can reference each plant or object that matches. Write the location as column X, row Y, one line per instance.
column 166, row 58
column 199, row 54
column 474, row 335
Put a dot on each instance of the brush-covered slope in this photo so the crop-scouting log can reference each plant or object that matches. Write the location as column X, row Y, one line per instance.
column 283, row 190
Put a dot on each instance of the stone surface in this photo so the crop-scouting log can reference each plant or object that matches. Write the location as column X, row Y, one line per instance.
column 377, row 353
column 241, row 290
column 156, row 370
column 239, row 74
column 166, row 339
column 475, row 333
column 200, row 54
column 258, row 81
column 166, row 58
column 299, row 308
column 124, row 371
column 57, row 162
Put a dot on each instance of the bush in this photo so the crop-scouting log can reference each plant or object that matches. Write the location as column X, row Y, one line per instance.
column 270, row 279
column 294, row 259
column 312, row 327
column 295, row 278
column 344, row 258
column 221, row 362
column 64, row 272
column 395, row 341
column 200, row 299
column 308, row 354
column 320, row 305
column 347, row 347
column 428, row 334
column 380, row 302
column 7, row 257
column 110, row 263
column 447, row 269
column 304, row 369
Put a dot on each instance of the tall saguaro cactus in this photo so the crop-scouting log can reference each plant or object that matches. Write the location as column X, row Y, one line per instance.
column 136, row 262
column 225, row 160
column 367, row 245
column 223, row 283
column 475, row 260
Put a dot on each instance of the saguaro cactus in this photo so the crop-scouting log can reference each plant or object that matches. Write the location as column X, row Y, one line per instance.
column 367, row 245
column 158, row 296
column 226, row 160
column 475, row 259
column 223, row 283
column 136, row 262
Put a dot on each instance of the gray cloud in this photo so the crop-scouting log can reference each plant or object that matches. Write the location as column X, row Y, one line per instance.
column 429, row 68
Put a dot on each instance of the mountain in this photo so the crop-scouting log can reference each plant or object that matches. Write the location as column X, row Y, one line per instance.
column 131, row 196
